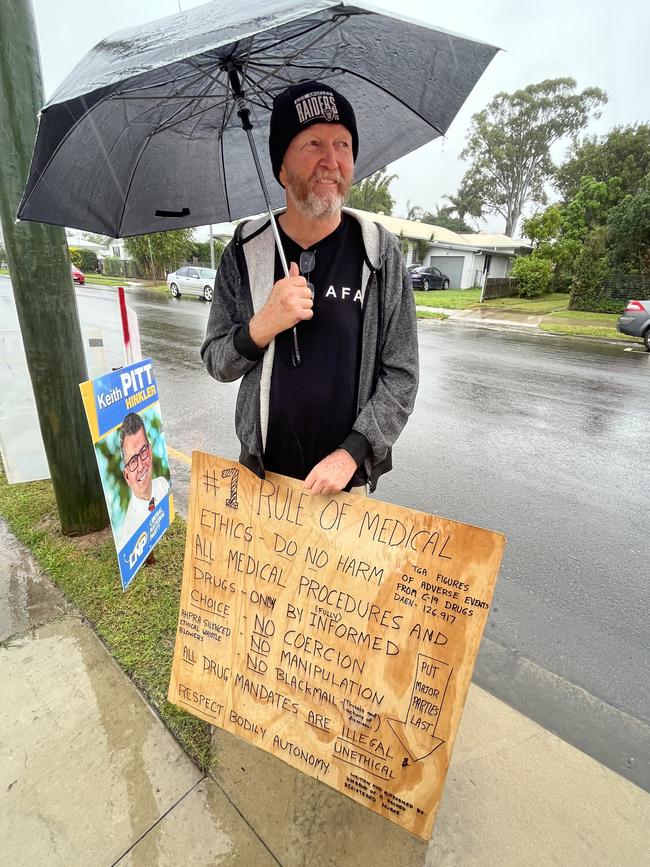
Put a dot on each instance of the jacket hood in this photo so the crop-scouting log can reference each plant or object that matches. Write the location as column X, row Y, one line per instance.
column 372, row 234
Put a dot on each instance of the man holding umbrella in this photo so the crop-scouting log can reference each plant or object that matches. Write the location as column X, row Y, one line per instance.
column 328, row 354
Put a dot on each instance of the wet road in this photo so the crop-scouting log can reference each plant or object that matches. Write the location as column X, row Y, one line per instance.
column 542, row 438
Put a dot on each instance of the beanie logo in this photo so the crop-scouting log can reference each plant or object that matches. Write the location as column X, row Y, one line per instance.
column 315, row 105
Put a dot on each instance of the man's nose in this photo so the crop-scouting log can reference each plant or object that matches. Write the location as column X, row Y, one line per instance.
column 328, row 157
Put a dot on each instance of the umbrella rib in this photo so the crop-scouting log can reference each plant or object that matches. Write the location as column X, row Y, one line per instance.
column 290, row 60
column 286, row 80
column 332, row 24
column 166, row 124
column 120, row 94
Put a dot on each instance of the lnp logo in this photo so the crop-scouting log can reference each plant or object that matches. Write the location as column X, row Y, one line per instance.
column 138, row 548
column 319, row 104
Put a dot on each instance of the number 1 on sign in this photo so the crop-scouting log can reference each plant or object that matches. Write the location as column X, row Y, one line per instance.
column 233, row 472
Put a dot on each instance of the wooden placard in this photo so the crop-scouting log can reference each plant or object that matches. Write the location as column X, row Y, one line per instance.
column 337, row 632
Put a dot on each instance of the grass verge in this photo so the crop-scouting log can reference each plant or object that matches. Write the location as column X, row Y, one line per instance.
column 608, row 320
column 101, row 280
column 138, row 626
column 587, row 331
column 546, row 304
column 430, row 314
column 451, row 299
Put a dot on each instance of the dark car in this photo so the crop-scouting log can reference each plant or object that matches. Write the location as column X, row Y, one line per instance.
column 635, row 321
column 429, row 277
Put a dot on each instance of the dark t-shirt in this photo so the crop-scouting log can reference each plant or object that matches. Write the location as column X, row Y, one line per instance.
column 314, row 405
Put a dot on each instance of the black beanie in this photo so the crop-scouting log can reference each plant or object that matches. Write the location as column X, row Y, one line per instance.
column 302, row 105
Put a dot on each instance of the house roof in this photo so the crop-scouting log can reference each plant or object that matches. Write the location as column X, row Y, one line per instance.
column 487, row 241
column 415, row 230
column 79, row 242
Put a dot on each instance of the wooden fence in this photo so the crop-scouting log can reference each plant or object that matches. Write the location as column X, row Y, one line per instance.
column 498, row 287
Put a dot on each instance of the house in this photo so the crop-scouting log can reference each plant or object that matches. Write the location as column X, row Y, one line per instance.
column 466, row 259
column 103, row 246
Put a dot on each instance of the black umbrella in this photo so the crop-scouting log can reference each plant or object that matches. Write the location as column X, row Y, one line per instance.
column 146, row 133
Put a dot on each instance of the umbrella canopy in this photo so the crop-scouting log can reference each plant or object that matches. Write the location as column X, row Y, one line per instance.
column 144, row 136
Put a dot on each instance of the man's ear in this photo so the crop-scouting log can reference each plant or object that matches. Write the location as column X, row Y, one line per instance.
column 281, row 175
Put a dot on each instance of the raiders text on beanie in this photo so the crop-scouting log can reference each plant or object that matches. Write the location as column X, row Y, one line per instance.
column 302, row 105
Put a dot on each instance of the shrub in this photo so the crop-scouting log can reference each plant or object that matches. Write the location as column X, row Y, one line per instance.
column 84, row 259
column 594, row 287
column 599, row 290
column 532, row 275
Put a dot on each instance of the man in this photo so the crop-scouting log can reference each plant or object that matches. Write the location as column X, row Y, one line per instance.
column 146, row 493
column 328, row 355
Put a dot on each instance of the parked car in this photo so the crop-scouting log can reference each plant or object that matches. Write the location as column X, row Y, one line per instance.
column 635, row 321
column 429, row 277
column 192, row 281
column 77, row 275
column 414, row 266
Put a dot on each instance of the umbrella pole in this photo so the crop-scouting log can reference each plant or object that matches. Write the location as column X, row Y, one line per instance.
column 243, row 113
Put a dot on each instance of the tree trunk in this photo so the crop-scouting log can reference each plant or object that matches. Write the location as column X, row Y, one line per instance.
column 45, row 298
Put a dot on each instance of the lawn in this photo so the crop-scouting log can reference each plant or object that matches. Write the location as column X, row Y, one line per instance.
column 101, row 280
column 608, row 319
column 462, row 299
column 430, row 314
column 578, row 330
column 581, row 324
column 541, row 306
column 450, row 299
column 139, row 626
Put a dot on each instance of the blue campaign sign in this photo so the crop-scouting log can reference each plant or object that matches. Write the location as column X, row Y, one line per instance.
column 123, row 412
column 131, row 388
column 136, row 550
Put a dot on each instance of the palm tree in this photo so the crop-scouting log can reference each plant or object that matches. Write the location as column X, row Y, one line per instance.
column 466, row 202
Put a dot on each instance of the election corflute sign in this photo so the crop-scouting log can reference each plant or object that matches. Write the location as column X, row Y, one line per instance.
column 123, row 412
column 338, row 633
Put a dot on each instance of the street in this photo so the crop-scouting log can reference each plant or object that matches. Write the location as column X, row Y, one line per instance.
column 542, row 438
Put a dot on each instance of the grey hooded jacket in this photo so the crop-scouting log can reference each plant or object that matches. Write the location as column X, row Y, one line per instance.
column 388, row 375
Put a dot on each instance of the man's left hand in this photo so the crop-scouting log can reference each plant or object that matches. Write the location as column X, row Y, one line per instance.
column 332, row 474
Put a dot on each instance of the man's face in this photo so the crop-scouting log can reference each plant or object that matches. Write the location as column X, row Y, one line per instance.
column 318, row 168
column 138, row 478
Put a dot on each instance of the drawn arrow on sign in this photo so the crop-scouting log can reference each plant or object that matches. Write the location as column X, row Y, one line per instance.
column 417, row 732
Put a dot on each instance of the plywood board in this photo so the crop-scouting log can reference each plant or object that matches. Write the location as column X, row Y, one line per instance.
column 338, row 633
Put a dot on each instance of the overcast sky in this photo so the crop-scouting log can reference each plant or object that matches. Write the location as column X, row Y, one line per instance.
column 599, row 43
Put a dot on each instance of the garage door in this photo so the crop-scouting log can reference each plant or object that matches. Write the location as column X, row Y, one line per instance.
column 452, row 266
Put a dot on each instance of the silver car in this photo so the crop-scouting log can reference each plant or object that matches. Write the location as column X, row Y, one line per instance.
column 190, row 280
column 636, row 321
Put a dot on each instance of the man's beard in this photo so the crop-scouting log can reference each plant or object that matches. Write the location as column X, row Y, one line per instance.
column 310, row 202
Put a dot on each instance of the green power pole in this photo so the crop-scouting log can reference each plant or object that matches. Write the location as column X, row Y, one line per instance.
column 40, row 273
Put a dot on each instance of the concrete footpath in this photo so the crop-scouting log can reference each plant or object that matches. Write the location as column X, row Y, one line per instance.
column 489, row 317
column 90, row 776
